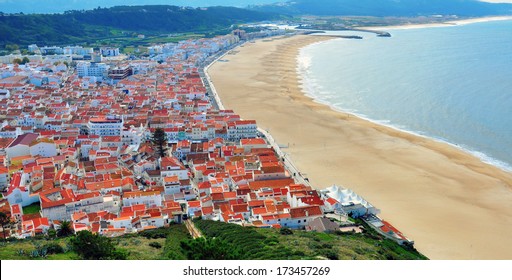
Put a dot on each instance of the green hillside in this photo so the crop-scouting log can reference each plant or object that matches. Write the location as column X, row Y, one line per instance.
column 226, row 241
column 118, row 22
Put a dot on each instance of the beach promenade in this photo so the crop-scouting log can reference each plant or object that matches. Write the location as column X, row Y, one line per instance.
column 449, row 202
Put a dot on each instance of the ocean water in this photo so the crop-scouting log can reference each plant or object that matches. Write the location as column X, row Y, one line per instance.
column 453, row 84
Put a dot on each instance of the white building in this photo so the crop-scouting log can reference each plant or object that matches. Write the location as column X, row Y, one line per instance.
column 109, row 126
column 349, row 202
column 43, row 147
column 150, row 199
column 109, row 51
column 121, row 222
column 237, row 130
column 92, row 69
column 5, row 94
column 170, row 166
column 21, row 146
column 52, row 50
column 4, row 177
column 33, row 48
column 18, row 193
column 133, row 135
column 77, row 50
column 10, row 132
column 61, row 204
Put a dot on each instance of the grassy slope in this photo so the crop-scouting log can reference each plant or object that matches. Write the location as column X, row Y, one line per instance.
column 270, row 244
column 254, row 244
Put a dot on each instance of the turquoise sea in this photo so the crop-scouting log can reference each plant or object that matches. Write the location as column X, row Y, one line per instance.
column 453, row 84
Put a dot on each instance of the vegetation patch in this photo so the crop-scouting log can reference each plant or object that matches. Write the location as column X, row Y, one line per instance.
column 268, row 244
column 32, row 208
column 122, row 22
column 221, row 241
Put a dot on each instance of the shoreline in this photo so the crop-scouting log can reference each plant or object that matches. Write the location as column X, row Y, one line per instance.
column 441, row 24
column 484, row 158
column 504, row 166
column 420, row 185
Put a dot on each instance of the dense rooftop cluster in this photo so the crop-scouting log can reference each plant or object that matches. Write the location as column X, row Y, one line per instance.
column 81, row 149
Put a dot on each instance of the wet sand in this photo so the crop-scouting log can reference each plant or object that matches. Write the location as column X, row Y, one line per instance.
column 450, row 203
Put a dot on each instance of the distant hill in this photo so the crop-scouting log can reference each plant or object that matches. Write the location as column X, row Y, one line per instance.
column 59, row 6
column 380, row 8
column 80, row 26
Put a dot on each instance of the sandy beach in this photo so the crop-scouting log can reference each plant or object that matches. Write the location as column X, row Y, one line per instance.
column 449, row 202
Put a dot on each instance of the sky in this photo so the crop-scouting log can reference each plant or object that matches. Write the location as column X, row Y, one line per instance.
column 498, row 1
column 58, row 6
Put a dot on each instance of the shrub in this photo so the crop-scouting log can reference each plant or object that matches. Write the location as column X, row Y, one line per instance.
column 331, row 254
column 285, row 231
column 91, row 246
column 53, row 248
column 155, row 245
column 154, row 234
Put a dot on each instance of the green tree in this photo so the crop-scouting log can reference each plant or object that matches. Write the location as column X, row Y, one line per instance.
column 22, row 61
column 65, row 229
column 159, row 140
column 91, row 246
column 12, row 47
column 4, row 220
column 210, row 249
column 52, row 233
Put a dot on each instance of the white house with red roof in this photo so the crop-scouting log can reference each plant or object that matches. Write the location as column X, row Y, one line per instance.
column 208, row 213
column 124, row 222
column 302, row 216
column 43, row 147
column 171, row 166
column 253, row 143
column 16, row 212
column 148, row 198
column 61, row 204
column 172, row 185
column 35, row 226
column 19, row 193
column 53, row 203
column 193, row 207
column 4, row 175
column 80, row 218
column 105, row 126
column 21, row 145
column 237, row 130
